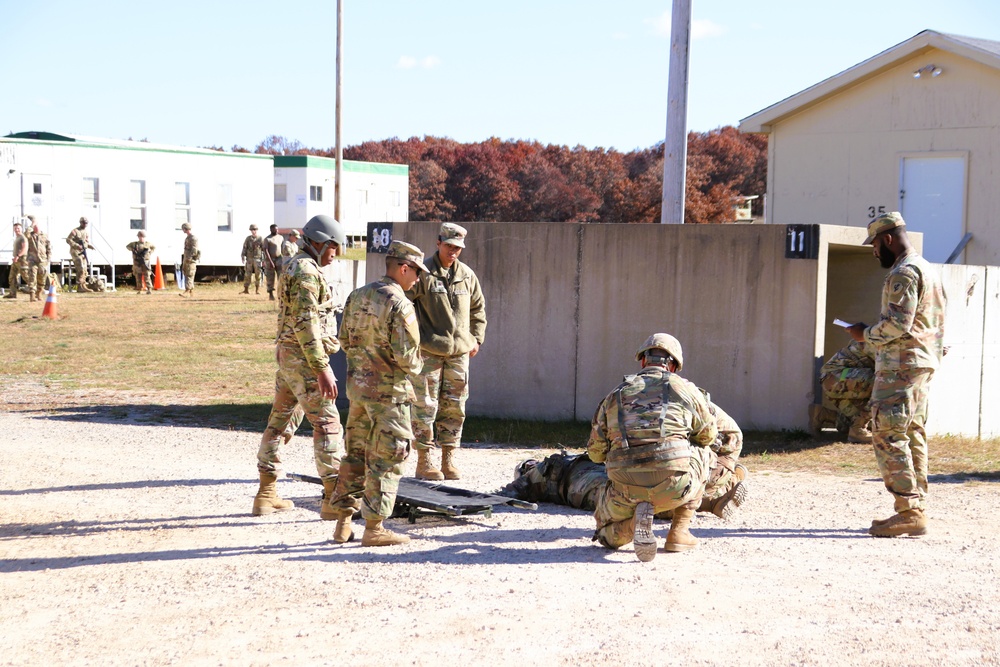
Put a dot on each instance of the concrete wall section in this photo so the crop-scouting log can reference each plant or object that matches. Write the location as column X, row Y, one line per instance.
column 990, row 372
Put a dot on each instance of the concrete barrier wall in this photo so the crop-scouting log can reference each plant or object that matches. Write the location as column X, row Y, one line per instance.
column 568, row 304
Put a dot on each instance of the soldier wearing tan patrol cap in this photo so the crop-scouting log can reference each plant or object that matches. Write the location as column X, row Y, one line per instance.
column 253, row 258
column 452, row 316
column 380, row 337
column 908, row 345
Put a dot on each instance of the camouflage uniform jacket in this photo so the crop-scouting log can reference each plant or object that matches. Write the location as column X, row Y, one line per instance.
column 450, row 309
column 382, row 341
column 910, row 330
column 637, row 405
column 141, row 251
column 307, row 318
column 191, row 252
column 78, row 242
column 20, row 250
column 288, row 250
column 253, row 248
column 729, row 442
column 855, row 355
column 272, row 250
column 39, row 248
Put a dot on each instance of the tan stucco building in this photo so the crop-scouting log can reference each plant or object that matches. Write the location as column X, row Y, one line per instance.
column 915, row 128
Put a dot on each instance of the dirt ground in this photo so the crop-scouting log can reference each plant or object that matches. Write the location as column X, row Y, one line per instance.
column 125, row 542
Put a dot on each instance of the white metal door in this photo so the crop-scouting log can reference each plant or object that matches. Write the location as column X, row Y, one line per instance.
column 932, row 201
column 36, row 190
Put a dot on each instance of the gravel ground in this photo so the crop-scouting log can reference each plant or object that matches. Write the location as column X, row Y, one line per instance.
column 133, row 544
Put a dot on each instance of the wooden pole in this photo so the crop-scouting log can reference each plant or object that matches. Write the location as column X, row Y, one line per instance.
column 675, row 144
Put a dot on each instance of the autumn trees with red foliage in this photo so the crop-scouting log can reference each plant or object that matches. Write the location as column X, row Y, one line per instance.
column 511, row 180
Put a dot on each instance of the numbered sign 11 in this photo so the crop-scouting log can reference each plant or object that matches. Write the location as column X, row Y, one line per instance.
column 802, row 241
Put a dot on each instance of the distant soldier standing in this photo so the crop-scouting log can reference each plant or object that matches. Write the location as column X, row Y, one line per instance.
column 272, row 258
column 39, row 252
column 252, row 256
column 189, row 261
column 381, row 338
column 307, row 336
column 909, row 344
column 452, row 315
column 290, row 248
column 141, row 255
column 79, row 243
column 18, row 263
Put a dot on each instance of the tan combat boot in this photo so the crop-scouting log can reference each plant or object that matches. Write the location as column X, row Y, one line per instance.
column 643, row 539
column 377, row 535
column 426, row 469
column 448, row 463
column 821, row 417
column 270, row 295
column 725, row 505
column 860, row 431
column 907, row 522
column 342, row 533
column 246, row 289
column 257, row 290
column 679, row 538
column 267, row 500
column 326, row 511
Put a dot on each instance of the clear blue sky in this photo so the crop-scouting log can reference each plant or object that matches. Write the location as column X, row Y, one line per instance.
column 556, row 71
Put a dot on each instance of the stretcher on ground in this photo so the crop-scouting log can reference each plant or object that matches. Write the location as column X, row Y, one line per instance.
column 418, row 497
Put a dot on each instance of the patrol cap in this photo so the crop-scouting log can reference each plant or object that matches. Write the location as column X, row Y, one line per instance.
column 294, row 233
column 883, row 223
column 30, row 217
column 253, row 228
column 186, row 227
column 665, row 342
column 453, row 234
column 407, row 252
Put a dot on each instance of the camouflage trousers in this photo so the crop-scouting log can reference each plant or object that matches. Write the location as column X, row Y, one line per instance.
column 615, row 511
column 19, row 268
column 143, row 277
column 269, row 273
column 295, row 384
column 37, row 273
column 440, row 407
column 848, row 393
column 251, row 270
column 899, row 412
column 80, row 268
column 188, row 268
column 378, row 441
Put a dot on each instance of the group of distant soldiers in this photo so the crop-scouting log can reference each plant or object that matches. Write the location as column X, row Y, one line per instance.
column 266, row 256
column 658, row 446
column 30, row 260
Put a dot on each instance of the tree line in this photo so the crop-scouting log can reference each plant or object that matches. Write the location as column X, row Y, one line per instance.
column 515, row 180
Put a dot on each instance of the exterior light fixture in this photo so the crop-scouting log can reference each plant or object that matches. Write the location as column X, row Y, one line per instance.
column 931, row 70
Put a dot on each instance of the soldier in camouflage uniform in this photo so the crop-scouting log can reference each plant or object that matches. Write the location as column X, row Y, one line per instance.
column 576, row 481
column 908, row 342
column 252, row 257
column 381, row 338
column 189, row 261
column 451, row 312
column 79, row 243
column 655, row 432
column 846, row 379
column 290, row 247
column 39, row 252
column 306, row 338
column 18, row 263
column 142, row 251
column 272, row 258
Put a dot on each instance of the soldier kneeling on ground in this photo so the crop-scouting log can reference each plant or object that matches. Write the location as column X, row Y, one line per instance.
column 847, row 379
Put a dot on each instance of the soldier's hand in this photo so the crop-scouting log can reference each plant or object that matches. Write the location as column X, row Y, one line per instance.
column 327, row 384
column 857, row 331
column 474, row 351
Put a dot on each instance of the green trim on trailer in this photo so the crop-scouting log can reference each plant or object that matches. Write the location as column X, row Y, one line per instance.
column 319, row 162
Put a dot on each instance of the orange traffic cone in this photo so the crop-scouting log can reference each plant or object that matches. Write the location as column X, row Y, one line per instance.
column 158, row 279
column 50, row 304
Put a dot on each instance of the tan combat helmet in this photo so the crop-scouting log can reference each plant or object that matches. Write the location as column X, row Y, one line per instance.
column 665, row 342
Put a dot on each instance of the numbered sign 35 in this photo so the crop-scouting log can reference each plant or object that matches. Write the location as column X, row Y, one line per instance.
column 802, row 241
column 379, row 236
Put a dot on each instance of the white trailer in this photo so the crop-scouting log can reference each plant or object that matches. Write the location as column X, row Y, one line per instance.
column 122, row 187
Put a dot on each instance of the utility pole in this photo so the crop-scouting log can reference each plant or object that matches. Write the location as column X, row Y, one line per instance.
column 340, row 87
column 675, row 144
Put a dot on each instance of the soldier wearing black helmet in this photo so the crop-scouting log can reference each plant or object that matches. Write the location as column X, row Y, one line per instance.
column 307, row 336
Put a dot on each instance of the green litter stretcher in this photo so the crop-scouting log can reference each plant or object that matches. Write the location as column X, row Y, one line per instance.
column 418, row 497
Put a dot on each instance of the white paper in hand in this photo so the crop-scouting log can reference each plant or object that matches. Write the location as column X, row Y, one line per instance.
column 842, row 323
